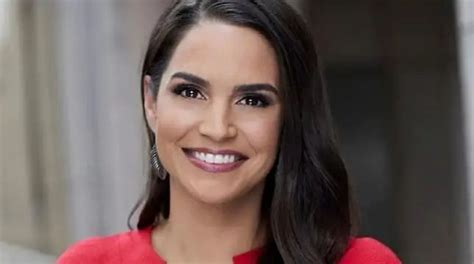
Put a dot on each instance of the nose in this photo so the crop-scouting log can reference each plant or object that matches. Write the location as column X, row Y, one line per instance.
column 217, row 123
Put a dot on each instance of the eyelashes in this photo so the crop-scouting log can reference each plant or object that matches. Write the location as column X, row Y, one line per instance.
column 255, row 100
column 190, row 91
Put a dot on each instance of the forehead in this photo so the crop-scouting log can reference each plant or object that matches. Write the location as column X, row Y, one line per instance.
column 218, row 51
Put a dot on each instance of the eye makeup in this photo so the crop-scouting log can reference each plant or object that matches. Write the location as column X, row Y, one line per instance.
column 188, row 90
column 258, row 95
column 255, row 100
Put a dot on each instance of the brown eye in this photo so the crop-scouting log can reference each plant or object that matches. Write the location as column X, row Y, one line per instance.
column 254, row 100
column 188, row 91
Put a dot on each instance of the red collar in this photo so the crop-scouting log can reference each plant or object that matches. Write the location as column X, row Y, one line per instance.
column 249, row 257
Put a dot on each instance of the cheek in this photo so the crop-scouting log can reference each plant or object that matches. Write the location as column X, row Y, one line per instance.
column 172, row 119
column 262, row 132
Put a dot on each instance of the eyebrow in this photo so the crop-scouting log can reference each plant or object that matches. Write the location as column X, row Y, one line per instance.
column 249, row 88
column 191, row 78
column 243, row 88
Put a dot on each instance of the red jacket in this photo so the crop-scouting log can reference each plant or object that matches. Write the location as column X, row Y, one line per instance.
column 135, row 247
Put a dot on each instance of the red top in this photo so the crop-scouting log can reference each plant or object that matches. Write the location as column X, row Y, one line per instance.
column 135, row 247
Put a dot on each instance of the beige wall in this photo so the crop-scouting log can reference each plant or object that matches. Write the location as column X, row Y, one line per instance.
column 17, row 217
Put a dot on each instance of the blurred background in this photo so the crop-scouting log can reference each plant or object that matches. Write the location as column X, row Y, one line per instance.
column 400, row 75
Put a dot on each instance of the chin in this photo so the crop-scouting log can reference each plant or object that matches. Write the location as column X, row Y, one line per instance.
column 220, row 194
column 214, row 196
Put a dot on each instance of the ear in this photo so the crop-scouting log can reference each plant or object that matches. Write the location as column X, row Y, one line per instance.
column 149, row 102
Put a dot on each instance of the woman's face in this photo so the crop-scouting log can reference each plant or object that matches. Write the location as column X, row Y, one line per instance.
column 217, row 114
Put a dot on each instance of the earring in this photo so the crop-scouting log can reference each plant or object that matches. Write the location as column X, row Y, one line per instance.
column 155, row 163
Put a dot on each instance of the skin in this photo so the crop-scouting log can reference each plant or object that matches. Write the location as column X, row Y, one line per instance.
column 214, row 216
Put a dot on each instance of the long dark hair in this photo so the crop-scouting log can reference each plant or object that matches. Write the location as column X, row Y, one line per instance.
column 306, row 201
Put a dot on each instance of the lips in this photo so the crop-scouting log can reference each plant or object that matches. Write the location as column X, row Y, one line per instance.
column 215, row 161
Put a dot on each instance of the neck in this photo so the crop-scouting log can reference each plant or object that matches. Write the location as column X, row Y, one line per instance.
column 200, row 232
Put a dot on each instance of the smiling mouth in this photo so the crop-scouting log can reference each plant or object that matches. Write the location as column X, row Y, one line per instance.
column 215, row 161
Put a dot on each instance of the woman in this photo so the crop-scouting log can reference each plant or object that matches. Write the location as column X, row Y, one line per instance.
column 244, row 163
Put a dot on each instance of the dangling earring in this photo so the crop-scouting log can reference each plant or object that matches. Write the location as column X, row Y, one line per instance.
column 155, row 163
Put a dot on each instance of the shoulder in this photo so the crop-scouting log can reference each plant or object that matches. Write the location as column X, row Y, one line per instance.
column 107, row 249
column 368, row 251
column 91, row 250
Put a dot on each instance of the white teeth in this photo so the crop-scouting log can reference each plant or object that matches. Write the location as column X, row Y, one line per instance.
column 209, row 158
column 214, row 159
column 219, row 159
